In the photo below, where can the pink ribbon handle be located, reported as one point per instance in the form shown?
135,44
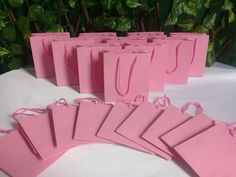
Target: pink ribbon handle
232,128
176,60
199,108
61,101
162,102
118,78
90,99
24,112
6,131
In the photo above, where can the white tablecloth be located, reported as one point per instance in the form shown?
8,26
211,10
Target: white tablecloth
216,92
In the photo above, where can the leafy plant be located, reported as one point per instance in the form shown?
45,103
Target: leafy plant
19,18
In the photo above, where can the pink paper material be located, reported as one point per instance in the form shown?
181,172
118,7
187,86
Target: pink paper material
197,63
42,54
127,41
65,60
51,34
38,130
138,122
126,75
89,120
187,130
90,66
157,64
151,33
17,158
168,120
117,115
210,153
90,34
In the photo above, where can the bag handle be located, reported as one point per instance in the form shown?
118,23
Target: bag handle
162,102
118,87
194,51
61,101
6,131
138,100
66,57
177,60
23,112
232,128
199,108
89,99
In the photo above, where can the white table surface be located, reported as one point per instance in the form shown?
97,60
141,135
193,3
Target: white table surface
216,92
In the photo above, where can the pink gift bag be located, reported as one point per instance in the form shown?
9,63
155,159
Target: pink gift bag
211,153
90,65
42,54
91,114
90,34
117,115
63,118
137,122
65,60
17,158
98,39
150,33
126,75
123,41
180,52
198,60
51,34
187,130
167,121
159,55
38,131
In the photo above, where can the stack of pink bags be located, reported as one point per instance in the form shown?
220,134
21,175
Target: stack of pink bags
119,67
202,146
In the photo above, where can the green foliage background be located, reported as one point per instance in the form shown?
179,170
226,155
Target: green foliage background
19,18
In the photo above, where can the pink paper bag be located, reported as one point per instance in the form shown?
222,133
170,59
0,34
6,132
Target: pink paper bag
211,153
17,158
65,60
159,56
90,118
150,33
198,60
51,34
90,65
126,75
38,131
138,122
167,121
90,34
123,41
42,54
117,115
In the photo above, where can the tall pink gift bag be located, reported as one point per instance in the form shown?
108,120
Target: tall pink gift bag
65,60
90,65
212,152
159,56
17,158
91,114
36,126
119,112
137,122
42,54
126,75
198,60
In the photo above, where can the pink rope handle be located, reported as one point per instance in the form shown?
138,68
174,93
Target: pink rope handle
66,57
90,99
194,51
118,87
23,112
162,102
177,60
232,128
199,108
6,131
137,101
61,101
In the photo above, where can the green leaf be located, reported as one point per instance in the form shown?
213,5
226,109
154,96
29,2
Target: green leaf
231,16
124,24
190,8
210,47
48,18
208,3
35,12
72,3
120,9
56,28
3,15
9,33
15,63
24,26
16,49
210,59
228,6
133,3
171,20
201,29
209,21
15,3
2,24
186,25
88,3
4,51
111,23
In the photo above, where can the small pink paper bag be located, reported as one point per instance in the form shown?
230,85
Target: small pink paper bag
211,153
42,54
159,56
90,34
126,75
17,158
138,122
167,121
90,118
90,65
65,60
38,131
117,115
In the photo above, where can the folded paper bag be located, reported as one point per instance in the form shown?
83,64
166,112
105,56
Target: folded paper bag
17,158
91,114
138,122
211,153
36,126
119,112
